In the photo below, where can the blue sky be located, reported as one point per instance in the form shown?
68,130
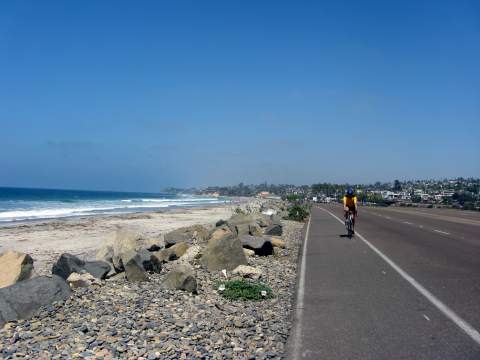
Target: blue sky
141,95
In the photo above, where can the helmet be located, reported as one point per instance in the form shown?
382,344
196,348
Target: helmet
350,192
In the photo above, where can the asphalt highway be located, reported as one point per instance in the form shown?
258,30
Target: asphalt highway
407,286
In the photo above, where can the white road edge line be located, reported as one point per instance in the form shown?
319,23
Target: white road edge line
297,341
462,324
441,232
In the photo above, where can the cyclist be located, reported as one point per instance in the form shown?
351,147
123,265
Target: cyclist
350,204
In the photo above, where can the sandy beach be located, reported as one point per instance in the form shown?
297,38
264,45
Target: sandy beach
46,240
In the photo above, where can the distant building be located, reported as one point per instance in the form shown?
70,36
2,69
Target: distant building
263,194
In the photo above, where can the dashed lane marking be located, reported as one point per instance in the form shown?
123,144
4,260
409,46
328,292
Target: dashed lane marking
441,232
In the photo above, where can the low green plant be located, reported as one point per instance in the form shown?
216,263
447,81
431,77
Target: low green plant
239,211
298,212
293,198
244,290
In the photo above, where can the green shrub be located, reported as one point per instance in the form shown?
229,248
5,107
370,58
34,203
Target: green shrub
244,290
239,211
293,198
298,213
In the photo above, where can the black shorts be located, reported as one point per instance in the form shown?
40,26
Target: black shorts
352,209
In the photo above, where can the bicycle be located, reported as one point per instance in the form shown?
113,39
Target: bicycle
349,224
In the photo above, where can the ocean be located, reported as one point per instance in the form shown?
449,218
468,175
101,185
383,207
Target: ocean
21,204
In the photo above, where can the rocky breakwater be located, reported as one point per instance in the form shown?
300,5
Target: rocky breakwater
163,298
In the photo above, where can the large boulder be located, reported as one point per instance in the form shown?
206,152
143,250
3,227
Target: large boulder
238,219
135,263
23,299
14,267
192,253
181,277
178,250
68,263
146,259
263,220
260,244
186,235
276,219
164,255
118,244
172,253
274,229
220,223
277,242
223,251
254,230
221,232
242,229
248,229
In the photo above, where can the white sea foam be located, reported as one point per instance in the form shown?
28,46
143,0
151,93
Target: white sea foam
102,207
172,200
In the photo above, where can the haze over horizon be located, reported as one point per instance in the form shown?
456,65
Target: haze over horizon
117,96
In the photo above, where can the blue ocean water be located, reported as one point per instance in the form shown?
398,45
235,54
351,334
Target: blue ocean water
20,204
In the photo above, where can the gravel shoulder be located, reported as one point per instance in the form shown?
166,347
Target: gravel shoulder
119,319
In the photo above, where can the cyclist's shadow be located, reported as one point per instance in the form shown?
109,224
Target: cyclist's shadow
345,236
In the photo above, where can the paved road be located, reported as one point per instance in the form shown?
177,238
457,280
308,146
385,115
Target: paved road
353,304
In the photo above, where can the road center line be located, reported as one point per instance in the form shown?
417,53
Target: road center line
441,232
449,313
297,341
408,223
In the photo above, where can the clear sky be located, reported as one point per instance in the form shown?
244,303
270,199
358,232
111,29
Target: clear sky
140,95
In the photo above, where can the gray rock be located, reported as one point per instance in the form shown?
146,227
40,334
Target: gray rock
181,277
164,255
134,268
223,251
154,248
98,269
186,234
261,245
23,299
144,258
220,223
276,219
275,230
68,263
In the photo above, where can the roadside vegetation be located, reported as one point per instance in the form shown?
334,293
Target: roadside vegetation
244,290
298,212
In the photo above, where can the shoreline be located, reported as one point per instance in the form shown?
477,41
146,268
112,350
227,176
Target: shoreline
45,240
232,201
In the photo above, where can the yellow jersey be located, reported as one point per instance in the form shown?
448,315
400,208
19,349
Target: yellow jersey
350,201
